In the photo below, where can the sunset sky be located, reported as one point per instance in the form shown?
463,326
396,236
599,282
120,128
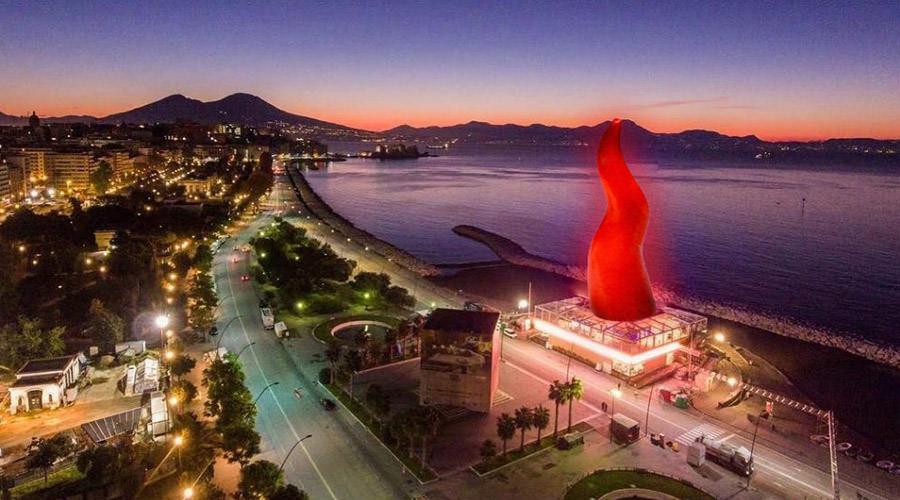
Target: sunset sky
787,70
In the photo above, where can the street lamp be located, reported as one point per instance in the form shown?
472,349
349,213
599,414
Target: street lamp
188,492
731,381
291,451
616,394
263,391
523,304
161,321
244,348
719,337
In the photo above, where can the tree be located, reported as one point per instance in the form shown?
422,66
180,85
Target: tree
289,492
27,339
574,391
523,419
488,450
260,479
48,452
333,355
399,297
506,429
240,442
184,391
182,365
557,394
105,328
200,443
99,464
101,176
540,420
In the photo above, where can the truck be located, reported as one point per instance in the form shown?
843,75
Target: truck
281,330
268,319
624,430
735,458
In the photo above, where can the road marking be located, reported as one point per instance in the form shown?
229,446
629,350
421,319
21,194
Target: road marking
277,402
709,431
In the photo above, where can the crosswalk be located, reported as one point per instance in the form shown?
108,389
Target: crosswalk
708,430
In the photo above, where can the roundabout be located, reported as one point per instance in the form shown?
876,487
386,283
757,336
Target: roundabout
633,483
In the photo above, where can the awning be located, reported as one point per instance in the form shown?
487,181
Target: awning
109,427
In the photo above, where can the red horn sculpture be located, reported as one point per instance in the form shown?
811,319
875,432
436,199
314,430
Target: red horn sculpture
617,278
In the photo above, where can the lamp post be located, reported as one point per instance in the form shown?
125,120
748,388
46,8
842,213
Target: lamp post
616,393
647,418
244,348
759,417
280,469
161,322
263,391
223,332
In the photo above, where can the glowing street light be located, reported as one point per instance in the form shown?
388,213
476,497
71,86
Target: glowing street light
719,337
179,440
523,304
300,305
173,401
731,381
188,492
161,321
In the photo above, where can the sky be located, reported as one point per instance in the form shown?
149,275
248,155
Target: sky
782,70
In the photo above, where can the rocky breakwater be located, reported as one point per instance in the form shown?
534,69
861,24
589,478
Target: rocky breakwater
512,252
318,208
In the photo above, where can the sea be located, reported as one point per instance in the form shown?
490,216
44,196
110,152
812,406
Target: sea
819,245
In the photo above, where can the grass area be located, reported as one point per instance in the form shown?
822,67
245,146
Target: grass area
360,411
602,482
34,489
322,331
530,449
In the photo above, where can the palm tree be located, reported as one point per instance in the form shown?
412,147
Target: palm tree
540,419
506,429
524,419
574,390
488,450
558,396
353,361
333,355
429,420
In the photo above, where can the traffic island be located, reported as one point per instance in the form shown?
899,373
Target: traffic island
499,461
606,482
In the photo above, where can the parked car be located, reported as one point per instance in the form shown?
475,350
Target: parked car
328,404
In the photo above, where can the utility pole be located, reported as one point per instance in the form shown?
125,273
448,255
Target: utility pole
832,438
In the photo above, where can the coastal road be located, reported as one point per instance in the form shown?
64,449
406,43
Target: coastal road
341,460
776,473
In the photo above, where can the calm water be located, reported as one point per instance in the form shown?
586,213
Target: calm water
730,234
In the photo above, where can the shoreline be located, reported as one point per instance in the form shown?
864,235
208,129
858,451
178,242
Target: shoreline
514,253
829,376
321,210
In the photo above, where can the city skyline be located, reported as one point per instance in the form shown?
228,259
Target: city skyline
802,72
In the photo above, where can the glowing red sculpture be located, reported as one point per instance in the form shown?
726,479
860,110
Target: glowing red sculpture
618,283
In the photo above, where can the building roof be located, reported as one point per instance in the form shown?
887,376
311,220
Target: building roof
33,380
45,365
457,320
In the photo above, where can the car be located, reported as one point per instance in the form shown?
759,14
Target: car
245,278
213,331
328,404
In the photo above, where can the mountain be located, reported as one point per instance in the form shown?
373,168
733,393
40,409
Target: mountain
640,142
240,108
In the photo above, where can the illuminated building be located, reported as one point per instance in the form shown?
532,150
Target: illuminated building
624,348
